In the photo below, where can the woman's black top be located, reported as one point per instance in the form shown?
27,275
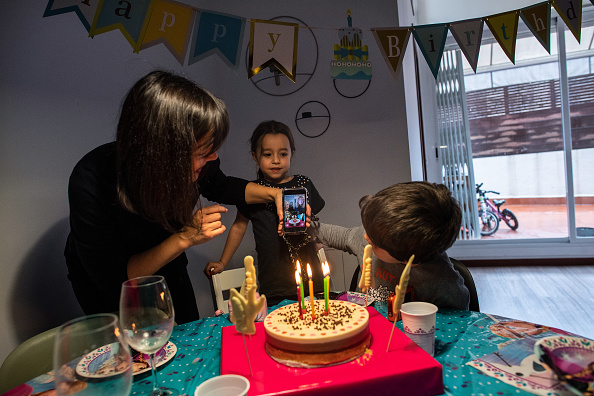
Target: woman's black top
103,236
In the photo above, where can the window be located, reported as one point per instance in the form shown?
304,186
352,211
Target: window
507,127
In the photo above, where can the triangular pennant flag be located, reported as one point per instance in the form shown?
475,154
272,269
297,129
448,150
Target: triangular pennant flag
273,43
392,43
85,10
431,40
468,35
504,27
217,33
571,13
130,17
170,23
538,20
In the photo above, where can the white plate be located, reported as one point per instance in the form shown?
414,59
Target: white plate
100,362
570,355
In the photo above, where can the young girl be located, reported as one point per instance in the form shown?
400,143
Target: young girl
272,147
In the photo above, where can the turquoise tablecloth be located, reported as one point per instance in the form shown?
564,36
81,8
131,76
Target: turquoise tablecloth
461,337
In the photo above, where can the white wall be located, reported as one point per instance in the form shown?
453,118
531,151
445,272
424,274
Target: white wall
535,175
59,98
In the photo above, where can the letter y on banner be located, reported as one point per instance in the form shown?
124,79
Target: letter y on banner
273,43
392,43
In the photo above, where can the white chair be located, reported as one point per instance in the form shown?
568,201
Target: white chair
224,281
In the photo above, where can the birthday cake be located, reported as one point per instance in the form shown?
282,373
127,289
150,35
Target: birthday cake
338,337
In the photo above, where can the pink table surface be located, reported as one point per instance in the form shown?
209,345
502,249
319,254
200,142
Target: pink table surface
405,368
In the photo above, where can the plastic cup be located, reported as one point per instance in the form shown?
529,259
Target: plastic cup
418,321
224,385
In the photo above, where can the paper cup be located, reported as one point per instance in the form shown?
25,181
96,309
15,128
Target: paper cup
224,385
418,321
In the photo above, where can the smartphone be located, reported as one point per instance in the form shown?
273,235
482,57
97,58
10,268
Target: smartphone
295,201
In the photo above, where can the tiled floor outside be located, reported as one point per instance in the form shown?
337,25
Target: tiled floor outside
543,221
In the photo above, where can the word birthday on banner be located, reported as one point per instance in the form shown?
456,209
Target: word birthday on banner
146,23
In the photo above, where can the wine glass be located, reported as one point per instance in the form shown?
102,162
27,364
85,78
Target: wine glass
147,316
92,357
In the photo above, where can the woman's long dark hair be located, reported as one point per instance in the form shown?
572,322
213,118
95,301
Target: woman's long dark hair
163,119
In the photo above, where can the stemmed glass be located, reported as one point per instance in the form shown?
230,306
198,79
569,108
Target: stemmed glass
92,357
147,316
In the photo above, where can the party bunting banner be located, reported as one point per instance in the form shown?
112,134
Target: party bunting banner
145,23
273,43
130,17
392,43
571,15
220,34
85,10
468,34
538,20
170,23
431,40
504,27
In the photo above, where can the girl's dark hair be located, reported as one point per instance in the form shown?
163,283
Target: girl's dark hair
419,218
165,117
266,128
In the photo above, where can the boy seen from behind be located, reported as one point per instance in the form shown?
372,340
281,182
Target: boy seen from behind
419,218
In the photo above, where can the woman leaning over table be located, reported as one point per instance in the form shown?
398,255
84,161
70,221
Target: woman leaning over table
135,203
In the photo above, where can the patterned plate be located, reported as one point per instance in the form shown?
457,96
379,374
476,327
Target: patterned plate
104,361
571,358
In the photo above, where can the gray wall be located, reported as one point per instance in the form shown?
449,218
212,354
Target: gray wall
60,96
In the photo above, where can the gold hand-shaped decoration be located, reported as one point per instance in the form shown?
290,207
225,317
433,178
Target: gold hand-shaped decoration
365,280
245,310
400,291
250,275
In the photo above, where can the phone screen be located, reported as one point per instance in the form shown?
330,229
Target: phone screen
295,202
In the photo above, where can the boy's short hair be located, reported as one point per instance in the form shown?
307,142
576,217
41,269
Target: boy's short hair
419,218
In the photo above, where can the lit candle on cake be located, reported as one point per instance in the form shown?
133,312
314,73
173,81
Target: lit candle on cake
302,304
326,271
311,293
298,281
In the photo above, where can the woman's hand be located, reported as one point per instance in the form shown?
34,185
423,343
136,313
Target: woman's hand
211,226
214,267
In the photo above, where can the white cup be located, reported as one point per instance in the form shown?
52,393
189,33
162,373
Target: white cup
418,321
224,385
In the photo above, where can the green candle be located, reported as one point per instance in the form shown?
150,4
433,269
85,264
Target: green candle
326,287
326,271
301,286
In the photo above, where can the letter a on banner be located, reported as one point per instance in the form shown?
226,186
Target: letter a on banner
431,40
392,43
220,34
538,20
129,16
273,43
505,30
468,35
84,9
170,23
571,13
